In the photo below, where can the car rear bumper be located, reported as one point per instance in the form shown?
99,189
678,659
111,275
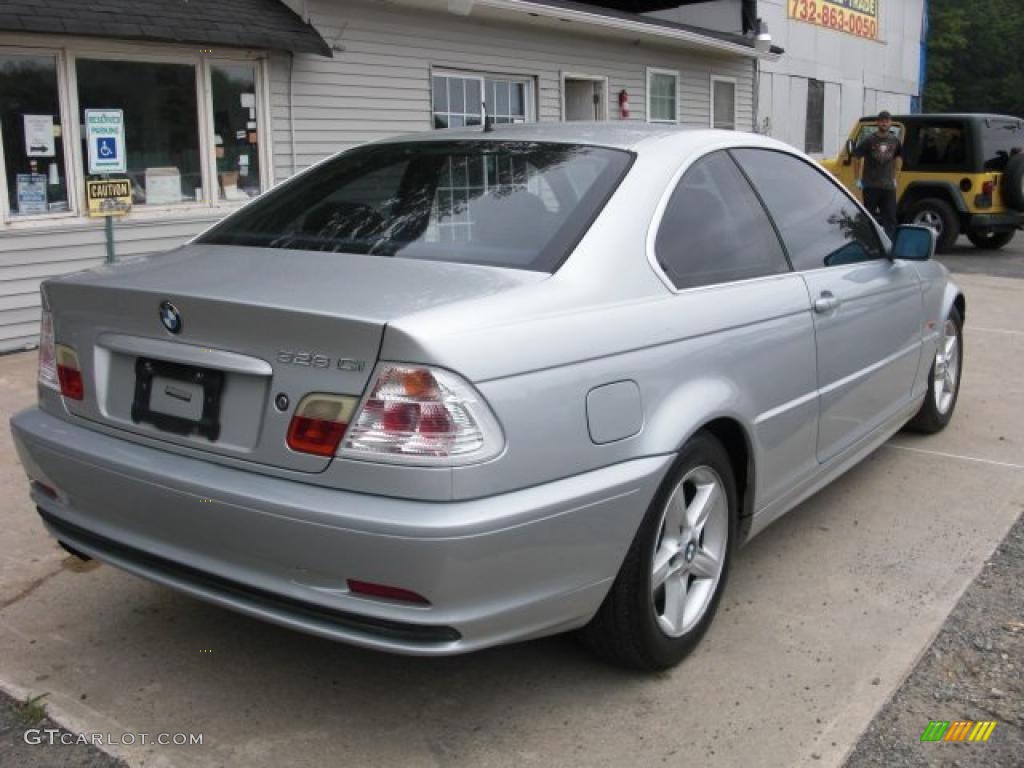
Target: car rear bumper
1010,220
495,570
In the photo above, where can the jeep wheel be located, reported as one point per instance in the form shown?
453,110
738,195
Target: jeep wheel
937,215
987,240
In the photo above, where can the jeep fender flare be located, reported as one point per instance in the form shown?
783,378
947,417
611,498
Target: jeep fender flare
917,190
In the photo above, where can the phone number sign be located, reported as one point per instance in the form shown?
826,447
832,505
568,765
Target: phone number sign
854,17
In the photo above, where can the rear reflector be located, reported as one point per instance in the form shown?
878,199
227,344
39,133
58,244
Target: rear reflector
319,423
69,373
369,589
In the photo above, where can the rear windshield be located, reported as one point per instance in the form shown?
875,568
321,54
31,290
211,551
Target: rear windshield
523,205
1000,140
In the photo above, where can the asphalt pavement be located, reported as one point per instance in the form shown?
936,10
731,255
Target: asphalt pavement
825,616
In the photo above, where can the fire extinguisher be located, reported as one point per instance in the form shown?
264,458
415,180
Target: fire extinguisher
624,104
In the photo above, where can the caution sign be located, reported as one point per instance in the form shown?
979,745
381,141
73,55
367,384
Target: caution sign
109,197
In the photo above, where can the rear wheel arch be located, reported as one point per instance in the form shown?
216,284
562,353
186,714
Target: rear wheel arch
946,192
960,302
735,439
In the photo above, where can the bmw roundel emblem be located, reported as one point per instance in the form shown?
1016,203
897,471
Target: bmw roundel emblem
170,317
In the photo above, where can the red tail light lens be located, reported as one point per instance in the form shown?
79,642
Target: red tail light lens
422,415
319,424
69,373
988,188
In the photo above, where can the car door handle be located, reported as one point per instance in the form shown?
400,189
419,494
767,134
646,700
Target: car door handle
826,303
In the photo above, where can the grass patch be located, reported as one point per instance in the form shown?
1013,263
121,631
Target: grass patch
31,711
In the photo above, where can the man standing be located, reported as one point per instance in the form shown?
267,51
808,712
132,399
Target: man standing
879,159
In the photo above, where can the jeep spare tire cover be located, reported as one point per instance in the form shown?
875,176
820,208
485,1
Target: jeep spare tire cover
1013,182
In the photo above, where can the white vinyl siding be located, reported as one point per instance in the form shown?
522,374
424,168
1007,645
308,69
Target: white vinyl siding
379,85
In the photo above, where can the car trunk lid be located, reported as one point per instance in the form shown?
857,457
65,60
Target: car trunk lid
255,324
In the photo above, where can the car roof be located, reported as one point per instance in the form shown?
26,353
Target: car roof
924,117
631,135
623,134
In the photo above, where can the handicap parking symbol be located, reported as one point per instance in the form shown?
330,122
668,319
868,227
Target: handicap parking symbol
106,147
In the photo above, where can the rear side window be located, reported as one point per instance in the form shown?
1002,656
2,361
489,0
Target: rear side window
820,224
715,230
1001,140
523,205
938,148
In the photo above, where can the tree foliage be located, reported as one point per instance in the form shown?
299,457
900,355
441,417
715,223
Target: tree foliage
975,57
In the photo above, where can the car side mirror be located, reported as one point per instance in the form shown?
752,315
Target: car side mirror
848,160
913,243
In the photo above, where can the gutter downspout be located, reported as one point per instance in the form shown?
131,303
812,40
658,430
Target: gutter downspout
291,108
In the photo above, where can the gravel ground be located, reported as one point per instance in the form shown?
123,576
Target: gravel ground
16,718
973,671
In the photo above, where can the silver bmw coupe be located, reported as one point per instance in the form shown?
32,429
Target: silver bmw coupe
465,388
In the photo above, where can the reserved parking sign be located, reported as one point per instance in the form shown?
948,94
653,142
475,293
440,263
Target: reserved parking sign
104,136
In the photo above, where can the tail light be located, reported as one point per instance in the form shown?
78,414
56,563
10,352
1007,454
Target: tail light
319,423
988,188
47,353
421,415
58,364
69,373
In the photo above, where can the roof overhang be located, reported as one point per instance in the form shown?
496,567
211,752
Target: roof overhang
249,24
607,22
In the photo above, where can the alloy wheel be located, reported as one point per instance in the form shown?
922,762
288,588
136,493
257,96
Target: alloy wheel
947,368
930,219
690,551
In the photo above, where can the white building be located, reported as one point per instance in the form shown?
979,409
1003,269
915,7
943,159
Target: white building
811,96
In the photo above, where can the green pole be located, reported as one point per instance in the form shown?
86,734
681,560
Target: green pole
109,227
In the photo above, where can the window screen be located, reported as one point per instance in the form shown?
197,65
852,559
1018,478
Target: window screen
819,223
715,230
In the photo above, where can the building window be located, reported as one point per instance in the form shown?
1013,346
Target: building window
32,131
161,125
236,135
191,128
814,137
723,103
459,100
662,96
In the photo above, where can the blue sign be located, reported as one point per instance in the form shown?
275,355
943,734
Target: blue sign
106,147
105,139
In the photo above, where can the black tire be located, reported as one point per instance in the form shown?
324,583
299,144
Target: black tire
1013,182
625,631
942,214
930,418
988,240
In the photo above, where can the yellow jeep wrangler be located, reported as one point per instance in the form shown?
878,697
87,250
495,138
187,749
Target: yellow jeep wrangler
962,174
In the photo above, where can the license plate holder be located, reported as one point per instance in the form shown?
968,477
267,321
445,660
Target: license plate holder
181,382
